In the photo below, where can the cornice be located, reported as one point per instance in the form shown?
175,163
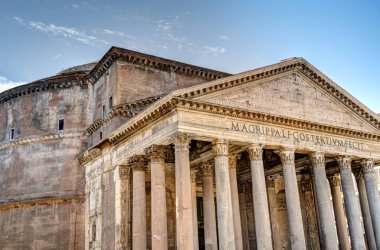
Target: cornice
169,104
89,155
51,137
298,65
51,83
159,63
41,201
122,110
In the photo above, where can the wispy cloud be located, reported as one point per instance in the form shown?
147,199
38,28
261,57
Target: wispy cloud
66,32
75,6
118,33
8,84
224,37
208,50
57,56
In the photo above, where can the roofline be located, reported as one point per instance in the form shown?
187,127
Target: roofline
116,53
112,55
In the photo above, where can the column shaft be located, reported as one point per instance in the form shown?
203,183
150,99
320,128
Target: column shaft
260,198
340,217
211,239
371,180
184,213
351,204
370,236
138,204
158,198
325,209
235,201
223,197
243,216
194,207
296,231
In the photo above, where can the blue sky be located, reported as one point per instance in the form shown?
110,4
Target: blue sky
341,38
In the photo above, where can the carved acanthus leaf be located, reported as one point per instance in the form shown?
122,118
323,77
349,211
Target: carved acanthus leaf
286,155
207,169
220,147
138,162
368,165
255,152
156,152
317,160
344,162
181,141
232,160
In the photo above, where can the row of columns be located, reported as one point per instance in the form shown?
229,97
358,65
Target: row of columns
228,211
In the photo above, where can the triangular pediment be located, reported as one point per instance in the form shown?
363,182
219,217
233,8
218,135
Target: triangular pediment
288,90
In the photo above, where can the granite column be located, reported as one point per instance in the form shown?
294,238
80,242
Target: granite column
351,203
223,196
296,231
260,198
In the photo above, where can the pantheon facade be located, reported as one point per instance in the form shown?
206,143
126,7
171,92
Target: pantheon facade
140,152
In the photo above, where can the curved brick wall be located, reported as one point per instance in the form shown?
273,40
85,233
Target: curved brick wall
42,185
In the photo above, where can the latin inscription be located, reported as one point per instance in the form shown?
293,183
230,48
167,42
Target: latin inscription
294,135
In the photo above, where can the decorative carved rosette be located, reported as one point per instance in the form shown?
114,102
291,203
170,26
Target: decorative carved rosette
207,169
156,152
232,160
344,162
220,147
286,155
193,174
181,141
255,152
137,162
367,165
317,160
334,180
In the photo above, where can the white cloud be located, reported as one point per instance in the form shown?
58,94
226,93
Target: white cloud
57,56
224,37
75,6
66,32
8,84
208,50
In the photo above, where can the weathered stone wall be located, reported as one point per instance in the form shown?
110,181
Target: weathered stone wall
137,82
48,226
41,183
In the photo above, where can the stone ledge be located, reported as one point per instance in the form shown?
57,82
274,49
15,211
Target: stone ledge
51,137
40,201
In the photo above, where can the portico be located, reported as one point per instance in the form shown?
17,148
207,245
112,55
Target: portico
219,141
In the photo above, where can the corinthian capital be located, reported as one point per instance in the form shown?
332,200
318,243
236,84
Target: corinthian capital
286,155
232,160
317,160
220,147
368,165
137,162
207,169
193,175
156,152
255,152
334,180
181,141
344,162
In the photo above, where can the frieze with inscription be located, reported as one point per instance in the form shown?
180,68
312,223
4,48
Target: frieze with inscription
259,129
